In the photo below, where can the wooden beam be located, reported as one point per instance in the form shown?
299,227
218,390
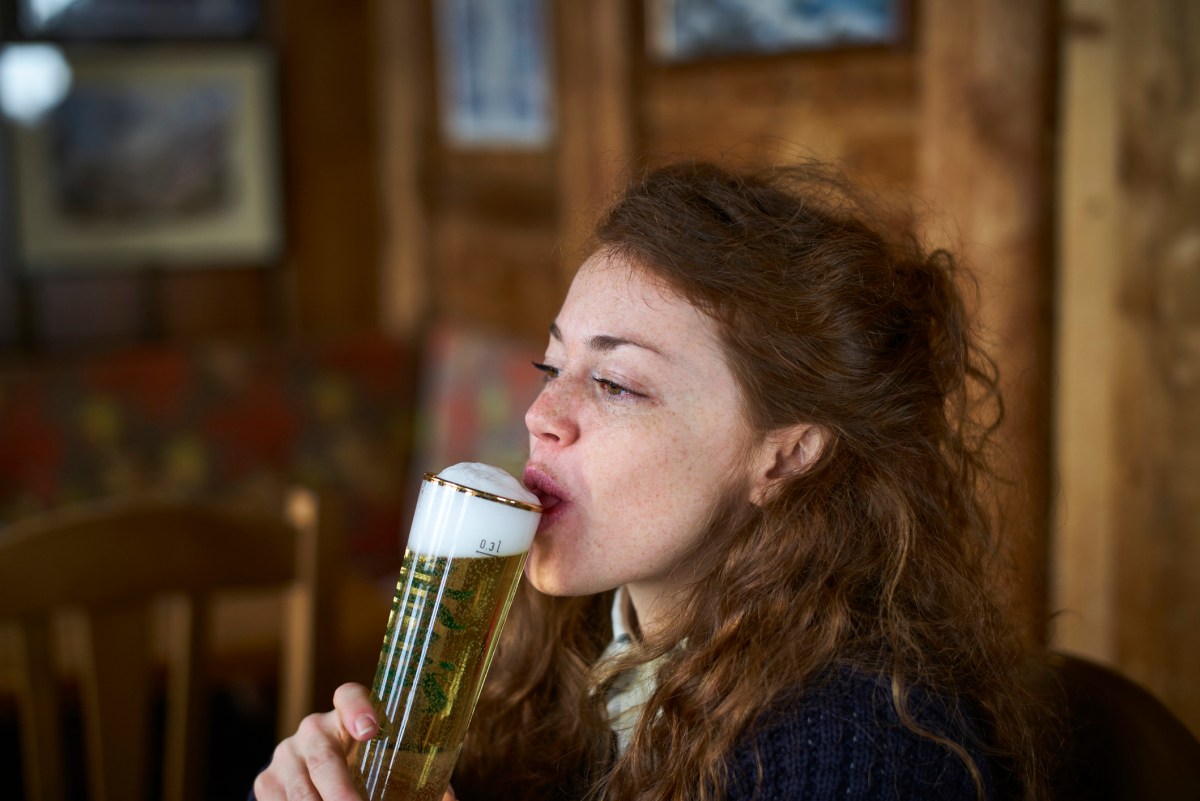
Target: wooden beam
403,34
1085,412
596,112
328,81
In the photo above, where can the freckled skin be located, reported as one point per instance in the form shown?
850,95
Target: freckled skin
642,436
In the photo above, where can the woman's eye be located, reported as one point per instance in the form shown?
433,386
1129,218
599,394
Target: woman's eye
549,373
612,388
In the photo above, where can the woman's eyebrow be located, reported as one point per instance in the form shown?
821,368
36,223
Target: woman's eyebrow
606,342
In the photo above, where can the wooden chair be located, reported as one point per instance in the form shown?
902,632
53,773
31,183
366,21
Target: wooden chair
113,562
1123,743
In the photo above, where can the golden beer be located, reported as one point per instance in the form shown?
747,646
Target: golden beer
440,639
441,635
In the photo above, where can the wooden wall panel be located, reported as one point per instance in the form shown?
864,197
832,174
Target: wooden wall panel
496,276
402,41
493,228
88,311
83,311
1157,577
1132,586
332,193
10,310
1128,413
985,144
227,303
494,232
858,108
1127,561
597,139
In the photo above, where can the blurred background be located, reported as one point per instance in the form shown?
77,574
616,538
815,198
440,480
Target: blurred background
251,244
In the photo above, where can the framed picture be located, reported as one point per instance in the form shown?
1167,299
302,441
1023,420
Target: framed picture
136,19
493,74
151,158
689,30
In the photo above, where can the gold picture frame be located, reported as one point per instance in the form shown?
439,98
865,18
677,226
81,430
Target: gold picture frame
682,31
153,158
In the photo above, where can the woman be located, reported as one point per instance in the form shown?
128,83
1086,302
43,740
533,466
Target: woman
760,445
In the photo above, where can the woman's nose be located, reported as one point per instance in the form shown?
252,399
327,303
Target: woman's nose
551,418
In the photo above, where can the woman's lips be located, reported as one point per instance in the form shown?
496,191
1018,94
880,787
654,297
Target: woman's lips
551,495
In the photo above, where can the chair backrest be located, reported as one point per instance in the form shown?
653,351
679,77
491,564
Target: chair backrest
1123,743
114,563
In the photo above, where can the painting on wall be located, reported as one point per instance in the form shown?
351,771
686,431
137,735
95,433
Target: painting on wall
493,73
690,30
151,159
137,19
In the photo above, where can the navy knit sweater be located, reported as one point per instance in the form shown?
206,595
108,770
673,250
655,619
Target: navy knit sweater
843,740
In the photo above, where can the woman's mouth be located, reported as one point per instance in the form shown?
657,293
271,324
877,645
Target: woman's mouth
551,495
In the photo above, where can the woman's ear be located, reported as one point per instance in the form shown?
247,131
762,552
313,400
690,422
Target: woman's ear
785,452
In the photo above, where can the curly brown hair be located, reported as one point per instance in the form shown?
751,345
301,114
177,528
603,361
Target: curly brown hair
879,557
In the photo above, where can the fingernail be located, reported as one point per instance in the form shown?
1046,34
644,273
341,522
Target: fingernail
364,725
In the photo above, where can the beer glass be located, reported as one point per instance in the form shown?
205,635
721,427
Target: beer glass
465,556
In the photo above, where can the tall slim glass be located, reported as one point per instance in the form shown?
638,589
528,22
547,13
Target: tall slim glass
465,556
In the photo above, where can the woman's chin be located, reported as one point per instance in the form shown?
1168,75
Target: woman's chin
548,577
535,574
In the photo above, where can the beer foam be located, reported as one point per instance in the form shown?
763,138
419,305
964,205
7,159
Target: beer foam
449,521
489,479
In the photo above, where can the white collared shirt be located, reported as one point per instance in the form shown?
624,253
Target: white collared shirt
631,689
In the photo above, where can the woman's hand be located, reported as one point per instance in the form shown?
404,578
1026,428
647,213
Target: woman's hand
311,764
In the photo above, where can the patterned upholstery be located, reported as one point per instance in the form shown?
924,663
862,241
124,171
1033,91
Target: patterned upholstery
234,422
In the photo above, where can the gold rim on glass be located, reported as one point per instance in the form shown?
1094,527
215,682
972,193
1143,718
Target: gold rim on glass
433,478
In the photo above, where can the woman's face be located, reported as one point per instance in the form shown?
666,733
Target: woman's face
637,433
